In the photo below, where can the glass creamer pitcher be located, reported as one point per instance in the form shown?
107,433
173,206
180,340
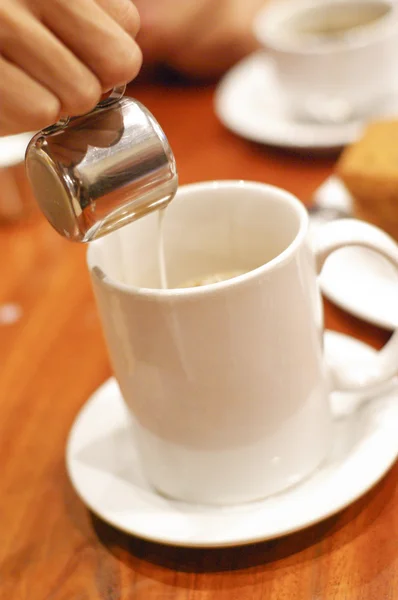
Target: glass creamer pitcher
95,173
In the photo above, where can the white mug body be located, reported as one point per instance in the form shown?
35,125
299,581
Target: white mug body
226,384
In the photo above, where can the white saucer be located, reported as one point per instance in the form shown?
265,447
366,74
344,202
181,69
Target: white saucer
248,102
12,148
355,279
104,470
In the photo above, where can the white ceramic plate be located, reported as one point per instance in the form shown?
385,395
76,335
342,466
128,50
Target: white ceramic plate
12,148
363,284
103,466
248,102
355,279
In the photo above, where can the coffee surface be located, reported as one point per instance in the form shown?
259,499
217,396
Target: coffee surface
209,279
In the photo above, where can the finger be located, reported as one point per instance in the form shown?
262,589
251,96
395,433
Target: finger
124,12
94,37
17,114
35,50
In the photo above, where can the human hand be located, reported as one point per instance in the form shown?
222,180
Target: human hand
58,56
197,37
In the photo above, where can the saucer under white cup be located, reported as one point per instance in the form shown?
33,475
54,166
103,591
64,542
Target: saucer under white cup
249,103
300,94
104,469
355,279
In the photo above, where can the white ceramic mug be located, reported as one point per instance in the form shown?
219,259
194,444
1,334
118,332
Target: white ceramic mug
332,78
227,384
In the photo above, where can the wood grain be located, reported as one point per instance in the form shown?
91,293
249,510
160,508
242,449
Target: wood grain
53,356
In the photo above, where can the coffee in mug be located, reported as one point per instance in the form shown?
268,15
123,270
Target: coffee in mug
209,279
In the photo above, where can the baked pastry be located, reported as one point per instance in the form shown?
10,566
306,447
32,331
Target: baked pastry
369,170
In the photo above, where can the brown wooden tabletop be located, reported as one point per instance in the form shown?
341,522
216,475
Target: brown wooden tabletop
52,357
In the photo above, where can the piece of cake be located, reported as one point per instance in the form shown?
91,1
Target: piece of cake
369,170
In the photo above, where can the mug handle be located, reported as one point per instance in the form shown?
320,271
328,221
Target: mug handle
369,376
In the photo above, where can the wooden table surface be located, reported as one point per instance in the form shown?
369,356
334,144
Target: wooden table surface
52,357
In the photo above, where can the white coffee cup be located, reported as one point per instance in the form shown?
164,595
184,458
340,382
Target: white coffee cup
226,384
328,69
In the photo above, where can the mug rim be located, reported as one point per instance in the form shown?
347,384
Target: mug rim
266,19
213,288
